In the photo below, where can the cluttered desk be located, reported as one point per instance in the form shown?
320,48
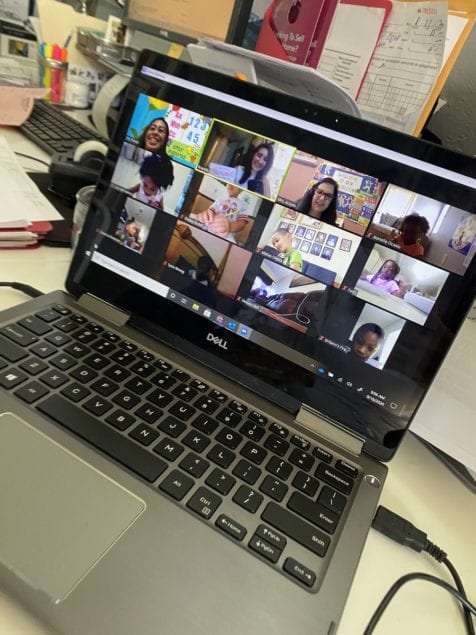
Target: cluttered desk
220,465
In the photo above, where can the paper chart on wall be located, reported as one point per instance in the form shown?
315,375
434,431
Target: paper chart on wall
345,58
406,63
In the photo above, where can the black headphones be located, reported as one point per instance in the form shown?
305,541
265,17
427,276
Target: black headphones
67,177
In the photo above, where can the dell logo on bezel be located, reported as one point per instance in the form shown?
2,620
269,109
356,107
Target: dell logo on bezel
218,341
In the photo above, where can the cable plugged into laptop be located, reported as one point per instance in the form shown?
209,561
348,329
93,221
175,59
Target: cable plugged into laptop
402,531
24,288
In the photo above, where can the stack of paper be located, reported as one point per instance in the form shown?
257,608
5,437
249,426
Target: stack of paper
25,214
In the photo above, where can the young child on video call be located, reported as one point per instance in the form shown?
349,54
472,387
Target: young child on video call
226,215
384,279
157,174
282,242
366,343
411,231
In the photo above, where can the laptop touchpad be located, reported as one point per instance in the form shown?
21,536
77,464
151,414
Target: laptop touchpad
59,514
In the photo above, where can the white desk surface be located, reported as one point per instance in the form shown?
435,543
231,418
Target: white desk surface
418,487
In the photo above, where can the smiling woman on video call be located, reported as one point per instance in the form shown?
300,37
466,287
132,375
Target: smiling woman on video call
320,201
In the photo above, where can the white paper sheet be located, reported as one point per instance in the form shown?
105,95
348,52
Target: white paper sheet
21,199
345,57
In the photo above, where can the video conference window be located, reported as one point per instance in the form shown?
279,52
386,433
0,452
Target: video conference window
151,178
400,284
370,339
330,192
220,208
202,266
252,162
133,225
157,126
317,250
425,228
286,296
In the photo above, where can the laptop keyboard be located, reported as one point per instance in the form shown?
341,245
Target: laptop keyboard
249,476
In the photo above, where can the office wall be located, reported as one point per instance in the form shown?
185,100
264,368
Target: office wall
455,124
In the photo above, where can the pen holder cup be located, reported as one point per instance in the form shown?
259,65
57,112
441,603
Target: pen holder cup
52,75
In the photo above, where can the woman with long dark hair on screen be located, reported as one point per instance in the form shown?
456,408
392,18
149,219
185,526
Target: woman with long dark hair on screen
251,174
155,136
320,201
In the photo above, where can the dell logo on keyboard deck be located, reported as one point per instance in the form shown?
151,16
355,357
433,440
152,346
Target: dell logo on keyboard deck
218,341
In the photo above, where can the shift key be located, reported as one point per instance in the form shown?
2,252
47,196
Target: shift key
297,529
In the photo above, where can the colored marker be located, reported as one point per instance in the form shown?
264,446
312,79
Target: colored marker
56,75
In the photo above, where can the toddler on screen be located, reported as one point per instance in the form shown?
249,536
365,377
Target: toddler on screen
225,216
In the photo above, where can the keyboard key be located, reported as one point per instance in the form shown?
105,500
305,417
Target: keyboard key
248,498
196,441
347,468
332,500
276,444
194,465
126,399
257,417
181,375
33,366
204,502
271,536
84,374
10,351
266,550
168,449
96,361
66,325
299,530
279,468
229,418
97,406
182,411
247,471
138,386
58,339
117,373
18,335
120,419
205,424
252,430
205,404
35,325
334,478
279,430
273,488
163,380
104,387
238,407
160,398
221,456
144,434
220,481
253,452
150,414
199,385
77,350
62,361
300,442
184,392
322,455
176,484
48,315
314,512
230,438
75,392
42,350
31,392
137,459
305,483
219,396
54,378
301,459
231,527
172,426
299,571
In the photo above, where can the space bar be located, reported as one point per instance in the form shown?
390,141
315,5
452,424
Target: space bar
98,434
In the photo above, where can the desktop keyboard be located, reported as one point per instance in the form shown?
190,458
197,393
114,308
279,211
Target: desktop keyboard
55,131
248,477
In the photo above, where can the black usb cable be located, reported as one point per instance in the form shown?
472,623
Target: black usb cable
402,531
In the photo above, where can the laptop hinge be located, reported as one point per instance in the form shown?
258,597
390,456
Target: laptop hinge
330,430
104,310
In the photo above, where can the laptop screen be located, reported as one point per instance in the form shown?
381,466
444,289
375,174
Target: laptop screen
310,256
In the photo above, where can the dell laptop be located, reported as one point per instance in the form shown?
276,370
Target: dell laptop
193,438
